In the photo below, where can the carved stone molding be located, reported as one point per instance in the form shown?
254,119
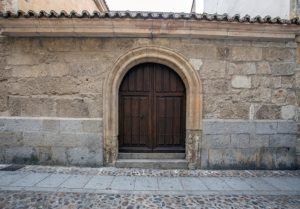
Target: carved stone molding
159,55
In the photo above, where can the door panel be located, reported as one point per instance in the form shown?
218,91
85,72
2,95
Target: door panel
135,123
152,110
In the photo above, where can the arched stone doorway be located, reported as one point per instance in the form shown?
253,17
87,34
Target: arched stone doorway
188,75
152,110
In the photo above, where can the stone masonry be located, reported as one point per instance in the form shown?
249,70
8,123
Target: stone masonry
51,141
252,86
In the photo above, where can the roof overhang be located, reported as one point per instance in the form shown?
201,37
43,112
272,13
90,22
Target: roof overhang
145,28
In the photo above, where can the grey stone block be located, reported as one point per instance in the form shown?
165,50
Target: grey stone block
169,184
70,126
20,155
233,158
30,180
22,124
204,158
9,138
257,141
99,182
215,127
51,125
82,156
216,141
123,183
54,180
94,126
146,183
240,140
76,181
276,158
59,156
72,140
190,183
283,140
287,127
241,127
283,68
265,127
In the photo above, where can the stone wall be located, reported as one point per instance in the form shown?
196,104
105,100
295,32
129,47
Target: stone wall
51,141
256,144
242,80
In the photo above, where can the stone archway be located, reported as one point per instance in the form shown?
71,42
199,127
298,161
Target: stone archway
193,98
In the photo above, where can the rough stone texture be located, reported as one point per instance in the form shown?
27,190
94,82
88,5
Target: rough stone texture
64,77
242,82
246,144
54,141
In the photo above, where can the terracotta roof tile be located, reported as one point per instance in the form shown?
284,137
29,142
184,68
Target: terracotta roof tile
151,15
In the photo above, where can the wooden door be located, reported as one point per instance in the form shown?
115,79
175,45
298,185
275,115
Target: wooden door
152,110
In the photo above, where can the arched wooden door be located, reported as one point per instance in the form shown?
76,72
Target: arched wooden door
152,110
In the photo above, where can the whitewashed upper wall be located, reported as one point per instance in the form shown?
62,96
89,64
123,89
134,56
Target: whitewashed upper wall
274,8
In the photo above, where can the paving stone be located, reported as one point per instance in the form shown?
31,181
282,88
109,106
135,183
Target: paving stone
280,183
99,182
76,181
237,184
192,183
259,184
146,183
172,184
11,178
30,180
215,183
123,183
53,181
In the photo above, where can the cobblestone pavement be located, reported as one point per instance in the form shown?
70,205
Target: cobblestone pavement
111,171
23,199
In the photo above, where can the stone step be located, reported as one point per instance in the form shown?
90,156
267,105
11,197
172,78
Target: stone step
152,163
151,156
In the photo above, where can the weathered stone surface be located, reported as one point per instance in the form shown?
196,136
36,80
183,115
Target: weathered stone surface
289,112
196,63
246,54
84,156
282,68
259,141
242,68
216,141
279,54
279,96
242,82
277,158
263,68
72,108
265,127
200,51
223,52
213,69
22,59
218,86
240,140
232,158
268,112
283,140
287,127
10,138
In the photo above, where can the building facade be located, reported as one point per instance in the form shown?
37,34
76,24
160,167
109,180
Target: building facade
87,89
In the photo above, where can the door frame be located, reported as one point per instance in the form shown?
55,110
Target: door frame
193,85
